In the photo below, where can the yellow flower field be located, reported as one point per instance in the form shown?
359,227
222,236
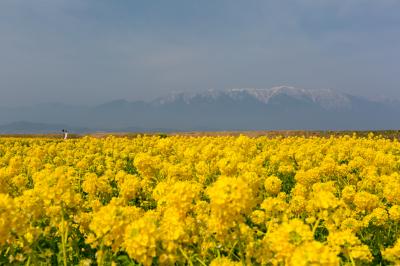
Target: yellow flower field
200,201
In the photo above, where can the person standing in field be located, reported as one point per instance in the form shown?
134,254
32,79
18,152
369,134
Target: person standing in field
65,132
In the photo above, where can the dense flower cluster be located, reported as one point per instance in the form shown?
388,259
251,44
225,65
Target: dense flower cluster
200,201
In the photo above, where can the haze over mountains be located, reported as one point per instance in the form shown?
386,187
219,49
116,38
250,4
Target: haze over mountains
277,108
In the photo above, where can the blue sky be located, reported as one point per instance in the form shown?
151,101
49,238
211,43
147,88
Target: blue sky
91,51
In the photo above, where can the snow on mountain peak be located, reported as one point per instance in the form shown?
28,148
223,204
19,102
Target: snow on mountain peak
326,98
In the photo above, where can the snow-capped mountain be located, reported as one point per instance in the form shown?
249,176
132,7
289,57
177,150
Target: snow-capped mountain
327,98
282,107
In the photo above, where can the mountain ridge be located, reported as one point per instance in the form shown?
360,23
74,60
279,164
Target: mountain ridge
328,98
276,108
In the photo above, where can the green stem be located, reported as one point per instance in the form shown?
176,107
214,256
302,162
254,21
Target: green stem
64,236
201,262
101,259
352,260
232,249
315,226
241,253
186,256
29,261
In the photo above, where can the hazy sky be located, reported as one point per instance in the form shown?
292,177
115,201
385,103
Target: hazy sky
91,51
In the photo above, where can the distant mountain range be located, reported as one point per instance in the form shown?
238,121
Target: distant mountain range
23,127
277,108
